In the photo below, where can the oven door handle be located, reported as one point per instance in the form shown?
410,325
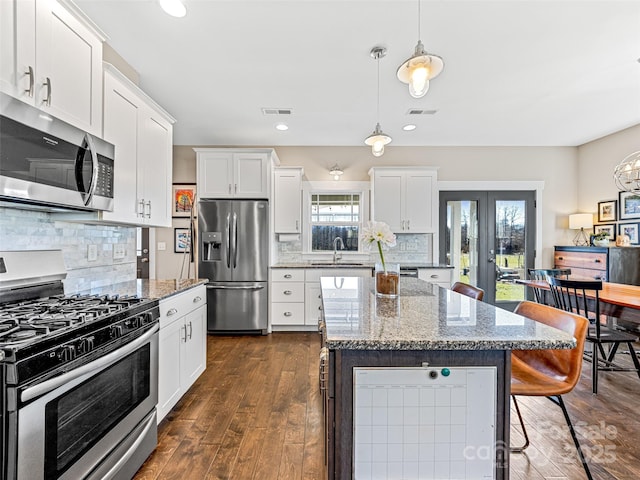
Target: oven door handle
102,362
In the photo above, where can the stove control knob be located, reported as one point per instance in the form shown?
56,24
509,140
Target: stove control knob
116,331
85,345
67,353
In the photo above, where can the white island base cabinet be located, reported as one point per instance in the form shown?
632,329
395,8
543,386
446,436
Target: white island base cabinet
183,345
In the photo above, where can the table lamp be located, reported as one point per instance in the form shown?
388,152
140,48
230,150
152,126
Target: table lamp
581,221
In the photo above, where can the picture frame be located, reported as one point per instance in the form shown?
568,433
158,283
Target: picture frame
607,211
182,199
630,229
181,240
610,228
629,205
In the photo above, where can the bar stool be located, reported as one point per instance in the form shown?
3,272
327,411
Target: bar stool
468,290
549,373
571,295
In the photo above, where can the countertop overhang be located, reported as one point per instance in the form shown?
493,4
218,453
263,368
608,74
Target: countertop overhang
346,264
425,317
144,288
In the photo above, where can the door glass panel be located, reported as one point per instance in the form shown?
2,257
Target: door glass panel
509,248
461,240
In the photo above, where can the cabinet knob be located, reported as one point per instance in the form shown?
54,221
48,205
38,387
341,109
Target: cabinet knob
197,299
288,275
287,314
287,292
597,260
560,258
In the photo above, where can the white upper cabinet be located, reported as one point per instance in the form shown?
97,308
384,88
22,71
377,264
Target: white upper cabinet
406,198
51,57
287,197
229,173
143,137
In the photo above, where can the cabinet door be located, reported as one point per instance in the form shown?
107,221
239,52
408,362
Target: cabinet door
287,200
250,175
17,47
155,168
418,209
121,116
313,303
387,204
171,339
193,354
69,58
215,175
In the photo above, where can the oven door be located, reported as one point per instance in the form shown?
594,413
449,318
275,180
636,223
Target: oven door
99,417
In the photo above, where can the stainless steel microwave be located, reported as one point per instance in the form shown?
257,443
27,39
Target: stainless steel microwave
45,161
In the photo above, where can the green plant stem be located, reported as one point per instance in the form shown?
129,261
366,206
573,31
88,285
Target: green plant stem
384,267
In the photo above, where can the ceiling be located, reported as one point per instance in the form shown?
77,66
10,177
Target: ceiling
517,72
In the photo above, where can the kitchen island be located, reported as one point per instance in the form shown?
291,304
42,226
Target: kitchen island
418,386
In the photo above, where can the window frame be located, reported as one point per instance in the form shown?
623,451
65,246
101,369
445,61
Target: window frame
310,188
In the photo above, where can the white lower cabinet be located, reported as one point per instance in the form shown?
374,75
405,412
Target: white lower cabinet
296,301
183,345
439,276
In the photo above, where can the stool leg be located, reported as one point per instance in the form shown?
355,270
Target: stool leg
524,430
634,357
594,367
557,399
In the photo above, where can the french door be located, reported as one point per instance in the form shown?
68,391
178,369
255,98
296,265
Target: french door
489,238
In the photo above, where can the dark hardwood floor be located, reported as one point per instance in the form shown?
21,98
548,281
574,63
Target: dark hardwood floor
256,414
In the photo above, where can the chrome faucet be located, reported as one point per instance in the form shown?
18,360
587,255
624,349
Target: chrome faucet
336,241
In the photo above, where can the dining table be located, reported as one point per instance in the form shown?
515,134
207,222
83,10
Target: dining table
617,300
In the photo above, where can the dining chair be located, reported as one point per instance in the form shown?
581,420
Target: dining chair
583,298
468,290
542,274
549,373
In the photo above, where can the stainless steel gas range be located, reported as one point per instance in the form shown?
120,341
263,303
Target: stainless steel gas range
79,375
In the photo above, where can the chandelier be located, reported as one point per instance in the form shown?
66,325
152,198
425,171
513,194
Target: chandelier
627,173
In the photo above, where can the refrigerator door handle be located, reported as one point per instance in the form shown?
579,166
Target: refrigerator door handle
229,241
224,287
235,240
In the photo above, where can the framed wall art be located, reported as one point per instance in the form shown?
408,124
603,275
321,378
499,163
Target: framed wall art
629,205
183,199
607,211
630,229
181,240
608,228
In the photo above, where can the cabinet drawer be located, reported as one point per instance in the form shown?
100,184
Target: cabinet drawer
441,276
287,275
286,313
314,274
287,292
593,261
588,274
178,305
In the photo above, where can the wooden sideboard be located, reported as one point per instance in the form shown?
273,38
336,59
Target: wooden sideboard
609,264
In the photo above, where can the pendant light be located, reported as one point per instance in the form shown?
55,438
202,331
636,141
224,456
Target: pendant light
420,68
627,174
378,139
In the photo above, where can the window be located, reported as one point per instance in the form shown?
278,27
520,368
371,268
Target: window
335,215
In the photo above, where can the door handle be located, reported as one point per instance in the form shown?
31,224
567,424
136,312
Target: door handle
224,287
235,240
29,91
228,240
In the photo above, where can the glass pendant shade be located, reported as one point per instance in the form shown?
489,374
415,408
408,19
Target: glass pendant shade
175,8
419,69
377,140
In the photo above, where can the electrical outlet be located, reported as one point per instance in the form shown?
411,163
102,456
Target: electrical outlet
92,253
118,251
162,246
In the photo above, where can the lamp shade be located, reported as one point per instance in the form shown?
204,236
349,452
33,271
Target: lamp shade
580,220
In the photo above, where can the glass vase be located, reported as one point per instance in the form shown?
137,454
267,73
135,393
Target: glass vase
387,283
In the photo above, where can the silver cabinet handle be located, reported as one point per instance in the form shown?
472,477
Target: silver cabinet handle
29,72
172,311
190,330
141,208
287,292
229,188
47,83
435,276
408,224
149,205
197,299
184,327
297,227
224,287
288,275
287,314
236,187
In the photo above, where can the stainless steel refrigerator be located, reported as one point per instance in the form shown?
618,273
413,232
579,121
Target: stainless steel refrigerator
233,255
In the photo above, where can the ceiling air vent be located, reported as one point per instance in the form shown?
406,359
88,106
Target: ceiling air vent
417,111
277,111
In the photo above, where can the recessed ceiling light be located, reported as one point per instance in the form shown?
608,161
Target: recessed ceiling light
408,128
282,127
175,8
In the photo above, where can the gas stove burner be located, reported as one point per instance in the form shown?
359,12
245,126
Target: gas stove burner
22,335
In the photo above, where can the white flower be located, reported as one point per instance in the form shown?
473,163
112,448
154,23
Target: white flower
381,234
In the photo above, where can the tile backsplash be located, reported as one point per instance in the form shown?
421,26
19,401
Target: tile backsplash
35,230
409,248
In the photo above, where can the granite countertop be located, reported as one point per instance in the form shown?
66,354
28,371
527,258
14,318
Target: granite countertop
424,317
144,288
347,264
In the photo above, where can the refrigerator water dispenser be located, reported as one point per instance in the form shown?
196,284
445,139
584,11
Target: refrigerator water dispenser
211,246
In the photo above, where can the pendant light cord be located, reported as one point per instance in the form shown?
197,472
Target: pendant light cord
419,17
378,103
